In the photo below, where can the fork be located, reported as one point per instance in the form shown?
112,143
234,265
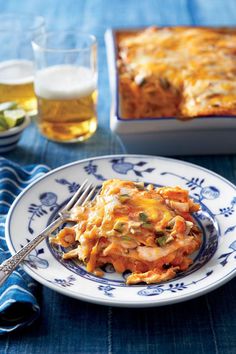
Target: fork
83,195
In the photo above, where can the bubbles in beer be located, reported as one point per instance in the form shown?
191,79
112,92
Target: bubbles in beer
67,99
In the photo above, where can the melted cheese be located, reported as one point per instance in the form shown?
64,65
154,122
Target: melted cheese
155,208
123,225
177,71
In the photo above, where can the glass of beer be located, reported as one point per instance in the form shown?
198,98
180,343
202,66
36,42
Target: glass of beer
65,85
16,60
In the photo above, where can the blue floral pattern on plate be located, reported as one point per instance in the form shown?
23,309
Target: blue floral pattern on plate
214,263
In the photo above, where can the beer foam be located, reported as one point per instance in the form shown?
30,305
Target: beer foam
64,82
16,72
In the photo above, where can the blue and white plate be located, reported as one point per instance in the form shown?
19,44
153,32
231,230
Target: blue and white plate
214,264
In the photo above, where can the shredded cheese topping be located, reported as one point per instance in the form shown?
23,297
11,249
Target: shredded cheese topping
148,231
177,72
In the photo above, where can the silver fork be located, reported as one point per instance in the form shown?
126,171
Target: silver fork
83,195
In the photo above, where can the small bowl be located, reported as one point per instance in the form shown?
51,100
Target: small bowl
10,137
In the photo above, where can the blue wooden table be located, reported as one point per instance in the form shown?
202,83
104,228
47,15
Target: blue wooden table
203,325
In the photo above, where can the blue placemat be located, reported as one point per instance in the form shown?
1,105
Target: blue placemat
18,304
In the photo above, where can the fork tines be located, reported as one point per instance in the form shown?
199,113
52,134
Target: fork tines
84,194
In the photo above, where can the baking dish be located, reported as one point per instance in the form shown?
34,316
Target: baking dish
169,135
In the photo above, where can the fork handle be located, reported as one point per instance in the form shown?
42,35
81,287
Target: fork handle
8,266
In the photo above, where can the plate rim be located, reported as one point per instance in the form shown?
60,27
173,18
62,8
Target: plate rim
107,301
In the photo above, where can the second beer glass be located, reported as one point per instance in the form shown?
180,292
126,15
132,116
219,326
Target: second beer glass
66,85
16,59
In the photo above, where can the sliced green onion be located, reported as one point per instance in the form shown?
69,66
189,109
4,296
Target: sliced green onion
126,238
143,217
123,198
147,225
139,185
119,227
169,239
161,241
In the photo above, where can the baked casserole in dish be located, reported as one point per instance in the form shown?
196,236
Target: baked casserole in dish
174,88
177,72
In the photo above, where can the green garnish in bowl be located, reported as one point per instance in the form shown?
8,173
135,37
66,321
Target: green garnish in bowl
10,116
3,124
7,105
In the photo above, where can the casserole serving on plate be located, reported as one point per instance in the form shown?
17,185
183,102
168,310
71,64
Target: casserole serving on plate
146,231
174,89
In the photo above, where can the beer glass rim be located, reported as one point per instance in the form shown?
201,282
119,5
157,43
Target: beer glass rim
39,47
16,16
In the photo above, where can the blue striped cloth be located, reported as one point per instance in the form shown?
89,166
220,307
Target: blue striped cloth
18,304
